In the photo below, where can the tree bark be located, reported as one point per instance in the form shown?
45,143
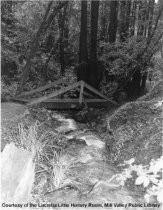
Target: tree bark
94,28
150,16
133,18
122,17
125,10
142,19
128,18
103,21
83,51
113,21
61,23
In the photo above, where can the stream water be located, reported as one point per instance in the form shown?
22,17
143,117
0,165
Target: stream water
92,184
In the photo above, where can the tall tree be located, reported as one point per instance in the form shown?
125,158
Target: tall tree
95,67
124,23
83,51
142,18
104,21
147,33
62,36
94,28
150,15
82,68
113,21
133,18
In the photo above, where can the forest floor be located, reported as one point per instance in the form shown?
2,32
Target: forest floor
81,151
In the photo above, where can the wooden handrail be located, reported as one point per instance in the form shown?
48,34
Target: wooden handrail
56,93
31,92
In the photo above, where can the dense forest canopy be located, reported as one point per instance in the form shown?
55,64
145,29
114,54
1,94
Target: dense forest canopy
109,44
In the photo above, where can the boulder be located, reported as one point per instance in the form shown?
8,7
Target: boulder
17,174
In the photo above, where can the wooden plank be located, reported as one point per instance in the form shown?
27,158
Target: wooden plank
64,100
81,93
52,84
75,105
98,93
84,92
67,100
95,91
19,99
56,93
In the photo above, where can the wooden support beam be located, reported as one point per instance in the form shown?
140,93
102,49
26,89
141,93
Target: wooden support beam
56,93
81,93
84,92
52,84
98,93
65,100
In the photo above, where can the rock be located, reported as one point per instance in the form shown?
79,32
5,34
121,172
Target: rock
93,141
17,174
67,124
85,158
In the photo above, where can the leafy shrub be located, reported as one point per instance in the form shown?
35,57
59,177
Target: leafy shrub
157,72
8,90
150,176
122,58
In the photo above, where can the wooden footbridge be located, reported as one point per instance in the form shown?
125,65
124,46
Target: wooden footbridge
87,96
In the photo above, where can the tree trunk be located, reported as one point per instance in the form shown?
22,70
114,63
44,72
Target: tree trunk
61,23
133,18
94,28
95,67
82,68
103,21
83,51
122,18
142,19
113,21
128,14
150,11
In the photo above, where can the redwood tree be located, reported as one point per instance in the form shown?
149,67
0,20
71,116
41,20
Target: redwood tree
83,51
62,36
113,21
94,28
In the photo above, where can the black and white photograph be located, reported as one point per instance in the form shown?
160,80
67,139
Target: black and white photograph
81,104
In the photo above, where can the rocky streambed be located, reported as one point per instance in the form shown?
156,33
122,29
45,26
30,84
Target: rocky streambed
80,175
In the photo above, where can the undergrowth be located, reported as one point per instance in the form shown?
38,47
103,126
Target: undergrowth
149,176
8,90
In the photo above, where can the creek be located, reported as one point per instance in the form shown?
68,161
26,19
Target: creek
89,181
